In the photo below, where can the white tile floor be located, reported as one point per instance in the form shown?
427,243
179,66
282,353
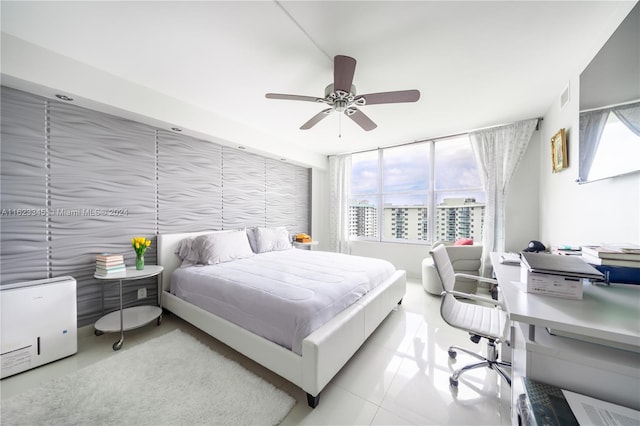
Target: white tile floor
399,377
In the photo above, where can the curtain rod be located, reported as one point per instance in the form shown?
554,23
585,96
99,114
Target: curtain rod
611,106
438,137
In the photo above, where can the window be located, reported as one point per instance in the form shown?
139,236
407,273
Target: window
422,192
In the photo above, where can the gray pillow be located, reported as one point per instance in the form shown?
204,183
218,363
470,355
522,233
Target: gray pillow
251,235
186,254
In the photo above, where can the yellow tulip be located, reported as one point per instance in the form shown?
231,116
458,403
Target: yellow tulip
137,245
133,241
148,243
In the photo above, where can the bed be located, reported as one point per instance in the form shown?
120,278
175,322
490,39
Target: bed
310,363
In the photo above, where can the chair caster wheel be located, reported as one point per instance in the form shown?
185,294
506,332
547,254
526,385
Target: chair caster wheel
452,354
117,345
159,320
98,332
453,382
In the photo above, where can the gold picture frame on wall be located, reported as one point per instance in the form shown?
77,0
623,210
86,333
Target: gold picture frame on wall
559,151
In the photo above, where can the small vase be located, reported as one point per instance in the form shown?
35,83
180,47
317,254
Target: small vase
139,261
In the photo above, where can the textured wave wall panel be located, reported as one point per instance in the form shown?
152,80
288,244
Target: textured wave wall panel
23,223
280,194
243,189
102,179
189,184
103,184
302,201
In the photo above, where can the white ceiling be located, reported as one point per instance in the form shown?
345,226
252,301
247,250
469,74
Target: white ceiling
476,63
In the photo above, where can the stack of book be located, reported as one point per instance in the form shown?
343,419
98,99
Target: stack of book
619,264
561,276
545,404
109,264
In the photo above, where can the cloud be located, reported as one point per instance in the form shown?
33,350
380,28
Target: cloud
407,169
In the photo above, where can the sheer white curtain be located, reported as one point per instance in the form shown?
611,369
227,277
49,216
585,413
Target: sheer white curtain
592,124
630,116
591,128
339,189
498,152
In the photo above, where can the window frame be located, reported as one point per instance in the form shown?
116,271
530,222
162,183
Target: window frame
430,194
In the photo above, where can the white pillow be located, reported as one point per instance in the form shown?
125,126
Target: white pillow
272,239
222,247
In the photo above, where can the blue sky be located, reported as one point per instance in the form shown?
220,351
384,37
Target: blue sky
407,168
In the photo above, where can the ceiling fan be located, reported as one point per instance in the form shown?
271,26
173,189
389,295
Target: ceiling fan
341,96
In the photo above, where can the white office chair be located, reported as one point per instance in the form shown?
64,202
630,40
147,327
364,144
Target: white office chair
480,321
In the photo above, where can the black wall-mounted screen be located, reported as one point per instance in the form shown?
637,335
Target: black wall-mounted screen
610,106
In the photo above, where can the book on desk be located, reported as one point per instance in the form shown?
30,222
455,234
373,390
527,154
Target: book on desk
620,274
618,264
624,252
552,275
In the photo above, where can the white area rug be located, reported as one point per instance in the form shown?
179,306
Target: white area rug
170,380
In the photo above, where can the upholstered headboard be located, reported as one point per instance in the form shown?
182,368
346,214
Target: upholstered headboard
167,257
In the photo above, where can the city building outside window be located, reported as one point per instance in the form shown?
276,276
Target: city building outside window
421,193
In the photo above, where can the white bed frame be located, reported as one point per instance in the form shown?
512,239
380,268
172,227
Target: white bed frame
324,352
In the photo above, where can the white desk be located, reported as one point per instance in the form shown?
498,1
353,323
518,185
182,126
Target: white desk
609,315
592,361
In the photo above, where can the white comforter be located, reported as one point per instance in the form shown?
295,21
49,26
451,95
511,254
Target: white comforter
281,295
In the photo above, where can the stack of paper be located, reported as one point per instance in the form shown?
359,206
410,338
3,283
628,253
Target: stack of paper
510,258
554,275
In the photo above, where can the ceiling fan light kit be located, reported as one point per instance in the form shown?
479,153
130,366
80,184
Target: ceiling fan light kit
341,96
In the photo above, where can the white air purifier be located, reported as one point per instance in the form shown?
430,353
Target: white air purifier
38,322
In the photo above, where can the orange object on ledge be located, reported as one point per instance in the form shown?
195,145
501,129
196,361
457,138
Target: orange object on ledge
303,238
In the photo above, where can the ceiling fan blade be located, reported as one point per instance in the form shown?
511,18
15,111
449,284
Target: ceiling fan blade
360,118
390,97
292,97
343,69
316,119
